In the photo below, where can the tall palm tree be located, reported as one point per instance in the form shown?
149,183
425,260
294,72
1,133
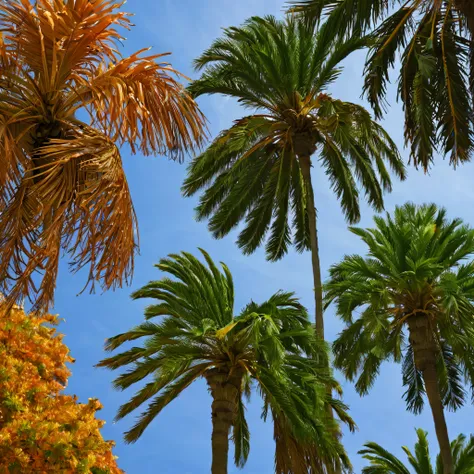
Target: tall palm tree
62,185
410,299
384,462
259,170
435,39
271,346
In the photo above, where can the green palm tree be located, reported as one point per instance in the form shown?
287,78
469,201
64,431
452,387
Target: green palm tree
259,170
410,299
435,40
271,347
384,462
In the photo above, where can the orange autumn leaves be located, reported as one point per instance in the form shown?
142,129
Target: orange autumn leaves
41,429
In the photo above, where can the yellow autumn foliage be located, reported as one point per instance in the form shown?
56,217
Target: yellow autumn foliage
42,430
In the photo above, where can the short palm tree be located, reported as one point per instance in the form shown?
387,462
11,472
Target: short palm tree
436,83
271,346
410,299
62,185
259,170
384,462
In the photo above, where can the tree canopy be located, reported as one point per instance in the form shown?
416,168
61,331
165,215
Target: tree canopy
434,40
270,346
41,428
62,185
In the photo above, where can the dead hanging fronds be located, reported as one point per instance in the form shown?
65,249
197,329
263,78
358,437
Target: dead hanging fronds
62,185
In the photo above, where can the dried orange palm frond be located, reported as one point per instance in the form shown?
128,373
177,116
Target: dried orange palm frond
142,105
62,185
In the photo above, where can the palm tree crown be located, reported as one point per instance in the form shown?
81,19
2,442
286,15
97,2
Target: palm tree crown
436,81
384,462
271,346
62,185
251,171
416,281
259,170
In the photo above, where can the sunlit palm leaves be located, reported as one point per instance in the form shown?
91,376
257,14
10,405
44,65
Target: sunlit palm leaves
384,462
62,185
251,171
272,345
436,82
410,300
417,261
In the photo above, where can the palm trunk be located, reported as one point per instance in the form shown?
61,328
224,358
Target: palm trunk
425,352
225,392
305,163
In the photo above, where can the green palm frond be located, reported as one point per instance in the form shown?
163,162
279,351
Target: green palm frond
384,462
435,85
271,346
420,461
381,461
364,13
251,173
417,265
241,437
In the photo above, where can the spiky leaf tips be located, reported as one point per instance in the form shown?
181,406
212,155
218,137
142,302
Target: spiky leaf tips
62,185
436,81
41,428
382,461
258,172
271,347
410,300
252,171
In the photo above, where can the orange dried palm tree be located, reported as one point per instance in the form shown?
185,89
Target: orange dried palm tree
62,185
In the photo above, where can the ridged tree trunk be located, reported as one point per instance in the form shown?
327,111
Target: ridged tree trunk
225,391
425,352
305,163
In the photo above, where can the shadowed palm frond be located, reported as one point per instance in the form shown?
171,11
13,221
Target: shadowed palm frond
435,83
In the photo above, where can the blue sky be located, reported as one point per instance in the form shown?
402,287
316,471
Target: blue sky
179,441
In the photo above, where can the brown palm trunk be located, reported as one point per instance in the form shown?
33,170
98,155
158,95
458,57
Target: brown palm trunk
225,392
305,163
425,351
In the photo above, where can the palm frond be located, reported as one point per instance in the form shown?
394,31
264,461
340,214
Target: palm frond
381,460
251,172
140,103
62,184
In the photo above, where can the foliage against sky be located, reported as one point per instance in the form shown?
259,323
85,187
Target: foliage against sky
42,430
429,43
62,183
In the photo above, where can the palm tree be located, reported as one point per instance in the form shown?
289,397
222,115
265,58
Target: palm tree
62,185
435,39
384,462
271,346
411,300
259,170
